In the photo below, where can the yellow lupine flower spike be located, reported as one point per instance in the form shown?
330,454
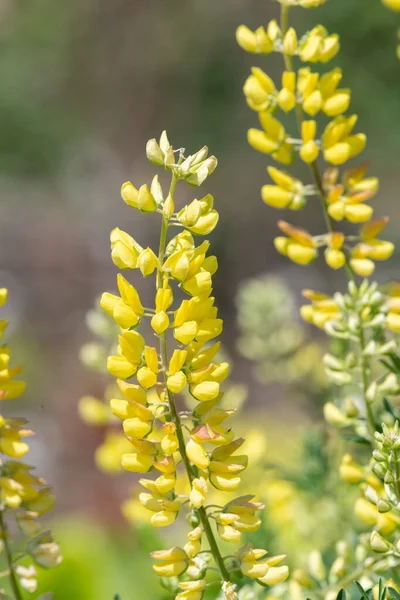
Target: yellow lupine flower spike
151,423
24,496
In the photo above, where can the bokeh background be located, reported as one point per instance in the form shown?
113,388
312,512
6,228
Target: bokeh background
83,85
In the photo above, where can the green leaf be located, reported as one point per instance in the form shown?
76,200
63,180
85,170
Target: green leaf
395,360
390,367
394,593
353,437
388,406
341,595
381,591
364,594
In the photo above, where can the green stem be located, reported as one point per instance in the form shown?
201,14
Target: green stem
351,577
11,575
365,383
174,413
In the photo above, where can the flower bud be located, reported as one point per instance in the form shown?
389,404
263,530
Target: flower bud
168,207
47,554
316,566
246,39
378,543
290,42
154,153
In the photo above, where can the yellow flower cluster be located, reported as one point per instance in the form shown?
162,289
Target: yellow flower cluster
23,495
317,46
308,94
162,438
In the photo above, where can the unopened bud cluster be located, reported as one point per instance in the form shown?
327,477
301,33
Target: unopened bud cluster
386,465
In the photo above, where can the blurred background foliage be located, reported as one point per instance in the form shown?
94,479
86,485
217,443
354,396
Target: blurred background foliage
84,84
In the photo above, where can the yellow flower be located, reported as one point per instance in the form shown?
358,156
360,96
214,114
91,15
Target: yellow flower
386,523
272,140
126,310
260,91
147,262
339,146
334,416
322,93
170,563
193,547
350,471
254,41
197,455
93,411
322,309
140,461
253,562
299,246
124,249
318,46
370,248
192,590
3,296
275,575
46,552
198,493
309,151
393,302
226,466
169,443
287,95
108,455
199,217
334,255
226,528
290,42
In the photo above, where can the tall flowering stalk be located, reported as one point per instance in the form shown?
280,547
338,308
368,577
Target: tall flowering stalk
364,318
24,497
163,438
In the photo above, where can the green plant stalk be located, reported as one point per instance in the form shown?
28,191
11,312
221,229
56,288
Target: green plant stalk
11,574
174,413
365,384
351,577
